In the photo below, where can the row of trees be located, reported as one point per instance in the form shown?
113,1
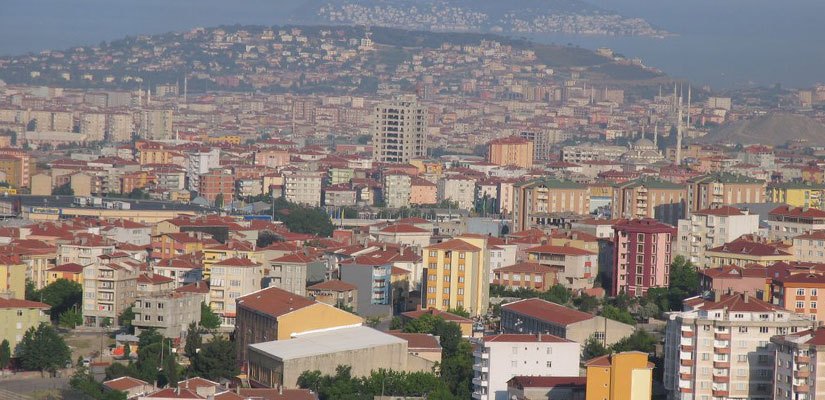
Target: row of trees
64,297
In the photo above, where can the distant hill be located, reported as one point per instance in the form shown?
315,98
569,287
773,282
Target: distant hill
773,129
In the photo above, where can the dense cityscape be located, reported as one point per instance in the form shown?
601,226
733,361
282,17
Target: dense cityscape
355,212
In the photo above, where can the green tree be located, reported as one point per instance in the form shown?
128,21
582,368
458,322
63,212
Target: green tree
684,282
460,311
423,324
127,351
219,200
593,348
126,318
71,319
62,295
586,303
396,323
209,319
171,371
42,349
63,190
83,382
618,314
303,219
659,296
32,293
638,341
5,354
215,360
117,370
138,193
193,341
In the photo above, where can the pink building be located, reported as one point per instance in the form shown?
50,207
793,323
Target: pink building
422,191
748,279
642,255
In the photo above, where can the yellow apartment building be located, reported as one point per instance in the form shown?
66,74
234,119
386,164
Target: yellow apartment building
457,275
620,376
18,316
803,194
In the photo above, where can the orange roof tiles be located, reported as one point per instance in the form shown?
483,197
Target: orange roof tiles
547,311
274,301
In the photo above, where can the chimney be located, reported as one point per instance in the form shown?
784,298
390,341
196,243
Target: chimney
539,336
747,297
717,296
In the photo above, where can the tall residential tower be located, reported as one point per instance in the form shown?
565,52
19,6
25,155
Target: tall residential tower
399,131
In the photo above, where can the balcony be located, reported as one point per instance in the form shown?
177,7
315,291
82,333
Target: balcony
801,388
686,376
686,348
720,393
802,374
688,334
721,350
480,382
477,395
722,336
481,367
685,390
721,364
802,359
481,354
686,363
721,379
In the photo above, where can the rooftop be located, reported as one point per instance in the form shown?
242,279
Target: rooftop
326,342
547,311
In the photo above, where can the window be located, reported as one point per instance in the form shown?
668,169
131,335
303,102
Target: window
549,364
814,292
446,290
461,267
800,292
742,358
160,318
460,279
460,291
813,305
515,350
763,329
433,253
160,305
461,255
514,363
640,237
549,350
446,278
800,304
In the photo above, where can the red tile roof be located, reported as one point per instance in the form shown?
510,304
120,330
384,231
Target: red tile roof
453,244
295,258
737,302
807,212
546,311
153,279
174,393
274,301
278,394
19,303
197,382
124,383
334,285
419,341
528,267
748,247
403,228
237,262
736,272
70,267
566,250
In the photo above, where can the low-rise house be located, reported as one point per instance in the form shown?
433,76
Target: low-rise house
19,316
70,272
526,275
577,268
335,293
547,387
750,278
133,387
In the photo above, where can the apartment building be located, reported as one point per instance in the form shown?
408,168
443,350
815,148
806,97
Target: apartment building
198,162
457,275
399,131
303,187
372,275
119,127
513,150
710,228
528,275
218,183
620,376
809,247
748,250
292,272
19,316
796,289
229,280
576,268
649,198
93,125
335,293
751,278
797,371
721,347
590,152
397,189
459,189
796,194
108,289
170,313
499,358
534,201
642,256
786,222
156,124
718,189
275,314
12,277
540,316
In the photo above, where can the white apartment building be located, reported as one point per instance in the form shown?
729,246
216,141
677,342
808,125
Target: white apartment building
230,279
399,132
303,187
199,162
711,228
501,255
458,189
500,357
120,127
397,190
721,348
156,124
798,373
590,152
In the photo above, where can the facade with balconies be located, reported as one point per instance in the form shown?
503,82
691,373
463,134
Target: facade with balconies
108,289
720,347
798,374
711,228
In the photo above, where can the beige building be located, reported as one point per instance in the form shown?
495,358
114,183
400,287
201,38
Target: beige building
18,316
512,150
457,275
156,124
459,189
798,374
716,190
93,125
399,131
649,198
397,190
534,201
108,289
120,127
810,247
721,347
170,312
303,187
229,280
